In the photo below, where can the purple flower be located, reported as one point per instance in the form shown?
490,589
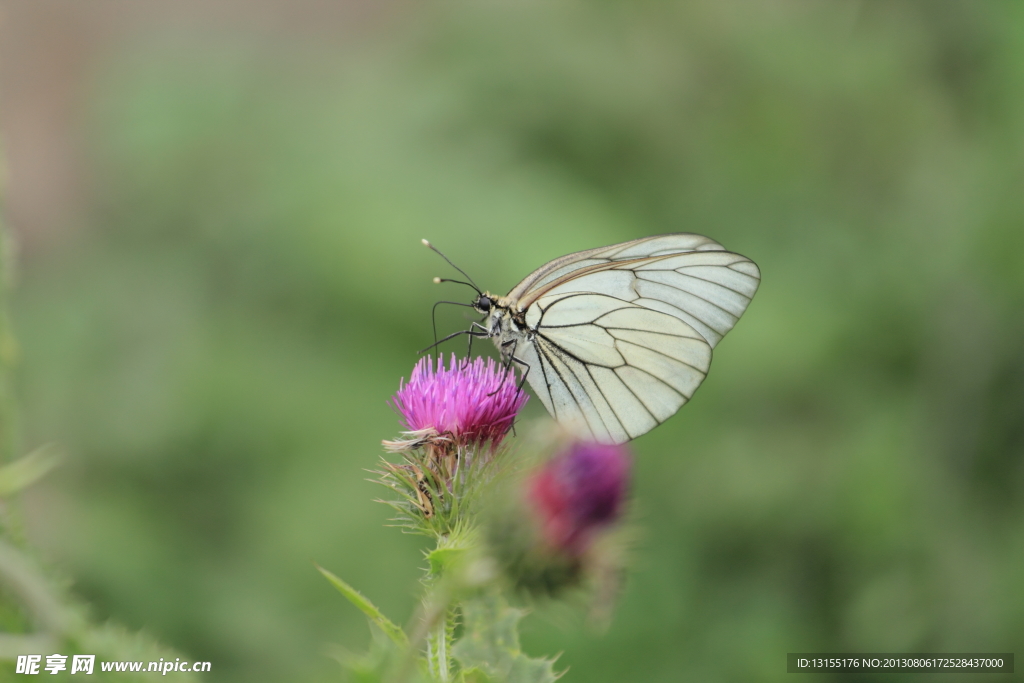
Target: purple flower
578,492
466,403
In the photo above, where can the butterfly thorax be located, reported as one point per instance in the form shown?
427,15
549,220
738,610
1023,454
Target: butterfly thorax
505,323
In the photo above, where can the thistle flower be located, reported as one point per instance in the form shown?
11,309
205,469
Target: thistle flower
464,404
578,492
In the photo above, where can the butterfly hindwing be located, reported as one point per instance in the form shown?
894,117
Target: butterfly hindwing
618,367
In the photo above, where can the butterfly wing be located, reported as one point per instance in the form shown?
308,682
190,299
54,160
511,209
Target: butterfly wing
611,367
624,333
656,245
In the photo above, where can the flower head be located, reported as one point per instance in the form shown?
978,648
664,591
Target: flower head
466,403
579,491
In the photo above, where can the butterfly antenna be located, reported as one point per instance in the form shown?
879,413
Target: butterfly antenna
433,317
437,279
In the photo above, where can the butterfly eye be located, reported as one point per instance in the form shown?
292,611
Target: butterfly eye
482,304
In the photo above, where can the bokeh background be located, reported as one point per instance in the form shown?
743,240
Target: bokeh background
218,208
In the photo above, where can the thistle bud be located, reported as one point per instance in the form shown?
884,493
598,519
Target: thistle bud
578,492
544,538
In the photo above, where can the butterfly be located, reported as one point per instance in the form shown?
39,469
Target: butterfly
614,340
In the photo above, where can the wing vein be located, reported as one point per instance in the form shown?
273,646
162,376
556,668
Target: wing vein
648,348
562,349
664,334
610,405
583,388
638,399
564,384
696,296
710,282
661,381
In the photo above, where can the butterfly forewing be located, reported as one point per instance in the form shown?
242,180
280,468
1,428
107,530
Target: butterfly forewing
622,335
707,289
641,248
659,245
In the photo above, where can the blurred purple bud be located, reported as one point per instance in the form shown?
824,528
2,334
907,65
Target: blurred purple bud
579,491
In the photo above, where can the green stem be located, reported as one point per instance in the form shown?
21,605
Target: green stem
439,638
437,651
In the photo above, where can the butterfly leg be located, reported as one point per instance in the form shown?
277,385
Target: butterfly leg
433,319
526,372
512,358
475,330
471,333
519,389
509,355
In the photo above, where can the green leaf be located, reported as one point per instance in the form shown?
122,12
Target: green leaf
392,630
490,645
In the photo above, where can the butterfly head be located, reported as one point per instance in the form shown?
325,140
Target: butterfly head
483,303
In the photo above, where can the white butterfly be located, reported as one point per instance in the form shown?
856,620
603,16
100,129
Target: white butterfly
615,340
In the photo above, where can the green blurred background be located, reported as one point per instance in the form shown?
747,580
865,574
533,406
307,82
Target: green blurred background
212,323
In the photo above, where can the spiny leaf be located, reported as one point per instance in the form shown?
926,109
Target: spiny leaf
490,644
393,631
